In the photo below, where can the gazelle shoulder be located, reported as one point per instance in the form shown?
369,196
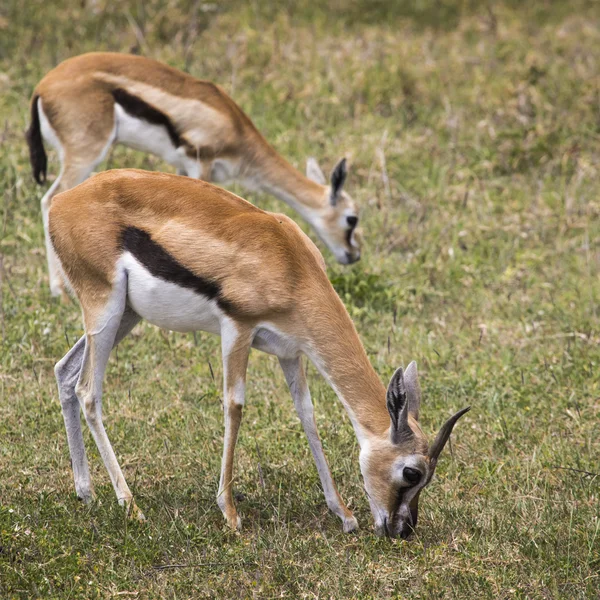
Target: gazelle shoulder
303,240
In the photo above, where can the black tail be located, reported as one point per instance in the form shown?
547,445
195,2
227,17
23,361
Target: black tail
37,154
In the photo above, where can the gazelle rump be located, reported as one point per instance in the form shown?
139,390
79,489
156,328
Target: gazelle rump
91,102
186,255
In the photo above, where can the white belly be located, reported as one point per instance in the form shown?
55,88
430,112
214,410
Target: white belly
168,305
142,135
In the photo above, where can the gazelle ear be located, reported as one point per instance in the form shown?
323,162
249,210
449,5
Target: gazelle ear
313,171
413,389
397,406
338,177
444,435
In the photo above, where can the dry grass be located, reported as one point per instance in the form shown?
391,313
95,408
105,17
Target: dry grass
473,133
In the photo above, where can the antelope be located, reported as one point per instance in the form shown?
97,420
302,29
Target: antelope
89,103
186,256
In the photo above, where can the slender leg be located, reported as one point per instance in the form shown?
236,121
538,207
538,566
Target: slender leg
99,340
67,373
296,380
236,347
56,283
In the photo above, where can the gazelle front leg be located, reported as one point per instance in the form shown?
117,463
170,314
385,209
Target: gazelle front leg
296,380
236,344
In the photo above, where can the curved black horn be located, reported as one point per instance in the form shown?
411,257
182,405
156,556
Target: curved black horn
444,434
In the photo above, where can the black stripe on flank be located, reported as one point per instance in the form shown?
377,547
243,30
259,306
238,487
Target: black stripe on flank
162,265
136,107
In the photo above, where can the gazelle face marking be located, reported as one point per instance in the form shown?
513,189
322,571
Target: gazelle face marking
337,225
397,466
141,245
342,234
394,477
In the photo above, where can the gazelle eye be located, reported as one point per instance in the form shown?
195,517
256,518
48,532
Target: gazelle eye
411,475
352,221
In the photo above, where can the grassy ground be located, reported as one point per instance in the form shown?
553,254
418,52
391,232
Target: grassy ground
473,132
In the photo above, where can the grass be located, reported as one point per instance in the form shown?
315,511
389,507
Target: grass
473,132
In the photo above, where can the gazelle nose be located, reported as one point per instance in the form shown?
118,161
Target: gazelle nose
406,530
352,258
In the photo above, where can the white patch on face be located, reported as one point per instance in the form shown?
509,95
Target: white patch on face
343,223
413,462
223,170
168,305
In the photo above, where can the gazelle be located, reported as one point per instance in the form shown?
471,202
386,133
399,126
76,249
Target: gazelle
93,101
186,255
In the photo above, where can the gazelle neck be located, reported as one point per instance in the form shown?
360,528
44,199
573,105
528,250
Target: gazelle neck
272,174
337,352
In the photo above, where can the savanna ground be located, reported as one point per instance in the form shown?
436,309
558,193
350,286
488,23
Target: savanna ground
473,132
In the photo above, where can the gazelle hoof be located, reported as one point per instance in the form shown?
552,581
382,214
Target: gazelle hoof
350,524
135,514
234,522
86,494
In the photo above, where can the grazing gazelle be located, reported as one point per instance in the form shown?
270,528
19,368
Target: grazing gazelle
186,256
92,101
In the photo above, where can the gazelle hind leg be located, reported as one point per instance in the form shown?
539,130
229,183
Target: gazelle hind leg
236,348
79,156
101,334
67,373
296,380
70,176
54,272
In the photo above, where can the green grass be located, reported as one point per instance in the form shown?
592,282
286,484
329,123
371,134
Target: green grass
474,137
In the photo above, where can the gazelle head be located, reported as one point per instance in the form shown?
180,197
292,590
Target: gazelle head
399,465
337,223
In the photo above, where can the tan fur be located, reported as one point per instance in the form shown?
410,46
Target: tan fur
207,236
380,464
77,99
269,272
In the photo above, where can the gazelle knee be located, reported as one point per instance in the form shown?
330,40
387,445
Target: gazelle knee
64,381
234,412
59,370
88,403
